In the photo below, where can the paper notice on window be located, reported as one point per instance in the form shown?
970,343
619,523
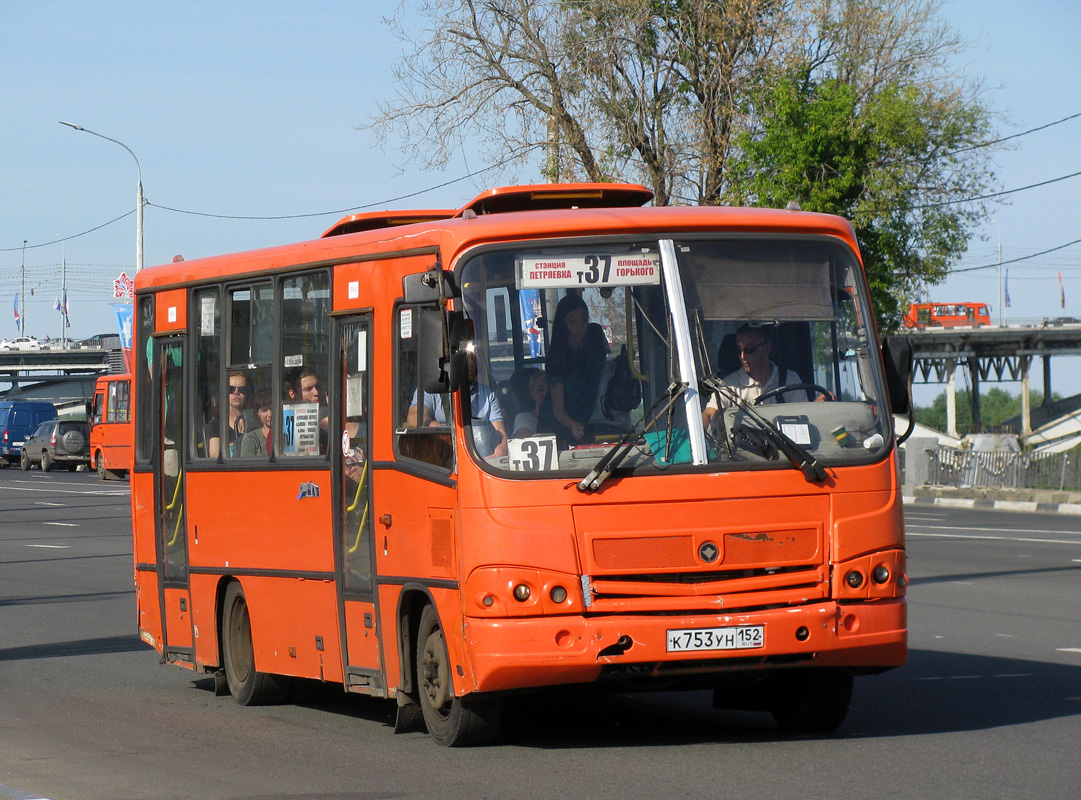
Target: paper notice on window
300,429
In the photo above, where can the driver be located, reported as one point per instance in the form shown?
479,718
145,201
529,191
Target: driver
757,374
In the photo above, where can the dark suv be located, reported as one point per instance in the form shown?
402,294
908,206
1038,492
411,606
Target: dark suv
57,442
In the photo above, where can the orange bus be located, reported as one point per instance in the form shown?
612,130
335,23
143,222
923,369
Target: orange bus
111,422
347,467
947,315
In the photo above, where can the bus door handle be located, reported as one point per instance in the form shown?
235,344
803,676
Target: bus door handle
385,520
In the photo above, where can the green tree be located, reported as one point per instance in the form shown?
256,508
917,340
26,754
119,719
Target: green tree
996,407
887,161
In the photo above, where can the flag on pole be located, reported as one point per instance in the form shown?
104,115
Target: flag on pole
62,307
16,308
1007,287
1061,291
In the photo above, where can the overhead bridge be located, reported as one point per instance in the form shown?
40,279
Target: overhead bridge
67,371
991,353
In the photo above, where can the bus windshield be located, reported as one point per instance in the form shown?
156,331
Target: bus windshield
692,352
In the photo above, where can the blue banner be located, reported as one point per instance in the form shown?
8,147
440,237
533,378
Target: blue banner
124,323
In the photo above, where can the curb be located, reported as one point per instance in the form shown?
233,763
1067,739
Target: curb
994,505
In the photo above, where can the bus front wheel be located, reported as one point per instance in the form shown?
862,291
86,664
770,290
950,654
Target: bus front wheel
812,700
99,461
452,721
248,687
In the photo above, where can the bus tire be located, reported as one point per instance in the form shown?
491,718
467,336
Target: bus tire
248,687
99,462
452,721
812,700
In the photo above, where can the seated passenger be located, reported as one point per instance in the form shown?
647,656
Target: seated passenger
240,421
489,431
258,442
756,376
531,387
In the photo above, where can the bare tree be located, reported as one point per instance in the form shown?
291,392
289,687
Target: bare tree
629,89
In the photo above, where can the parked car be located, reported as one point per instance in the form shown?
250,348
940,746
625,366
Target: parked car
18,420
21,343
57,442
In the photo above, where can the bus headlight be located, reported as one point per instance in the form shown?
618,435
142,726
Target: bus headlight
518,591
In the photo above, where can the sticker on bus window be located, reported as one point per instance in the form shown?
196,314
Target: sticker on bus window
585,270
534,454
294,361
406,324
206,316
300,429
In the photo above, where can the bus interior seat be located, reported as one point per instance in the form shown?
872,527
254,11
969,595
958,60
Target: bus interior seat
727,356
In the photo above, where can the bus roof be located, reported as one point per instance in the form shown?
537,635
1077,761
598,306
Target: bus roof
500,215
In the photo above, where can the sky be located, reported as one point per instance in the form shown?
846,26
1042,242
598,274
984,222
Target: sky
256,110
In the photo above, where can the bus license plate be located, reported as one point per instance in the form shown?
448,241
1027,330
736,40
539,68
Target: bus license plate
744,637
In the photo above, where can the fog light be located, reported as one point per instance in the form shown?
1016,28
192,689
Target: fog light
521,592
558,594
854,579
881,574
488,600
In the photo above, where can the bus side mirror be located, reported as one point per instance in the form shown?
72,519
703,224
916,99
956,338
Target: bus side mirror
429,287
897,360
440,371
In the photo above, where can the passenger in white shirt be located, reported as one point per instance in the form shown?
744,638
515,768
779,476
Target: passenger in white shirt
756,376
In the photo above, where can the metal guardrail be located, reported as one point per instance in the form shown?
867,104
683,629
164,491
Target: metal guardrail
950,466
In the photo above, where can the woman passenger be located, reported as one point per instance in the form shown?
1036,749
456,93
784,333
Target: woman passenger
576,360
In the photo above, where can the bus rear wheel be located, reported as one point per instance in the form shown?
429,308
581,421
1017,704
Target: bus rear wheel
248,687
812,700
99,461
452,721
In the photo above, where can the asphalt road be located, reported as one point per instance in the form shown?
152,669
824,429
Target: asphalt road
989,705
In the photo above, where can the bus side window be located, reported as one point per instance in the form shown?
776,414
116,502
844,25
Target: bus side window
206,304
142,367
123,401
99,402
423,421
305,362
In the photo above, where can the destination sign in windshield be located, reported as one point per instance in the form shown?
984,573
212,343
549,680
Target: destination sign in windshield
593,269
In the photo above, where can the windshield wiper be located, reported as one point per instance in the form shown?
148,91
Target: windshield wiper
615,455
796,453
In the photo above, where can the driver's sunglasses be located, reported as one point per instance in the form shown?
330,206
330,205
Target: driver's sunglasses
234,389
750,351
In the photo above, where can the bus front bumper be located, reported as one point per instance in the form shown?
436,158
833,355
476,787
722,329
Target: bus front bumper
509,654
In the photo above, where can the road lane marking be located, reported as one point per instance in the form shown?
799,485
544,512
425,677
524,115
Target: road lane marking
994,538
47,503
50,546
996,530
100,492
63,524
1068,649
16,794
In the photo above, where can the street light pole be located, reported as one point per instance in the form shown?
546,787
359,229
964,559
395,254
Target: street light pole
22,311
138,193
1001,292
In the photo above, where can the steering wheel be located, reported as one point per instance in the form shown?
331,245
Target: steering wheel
794,387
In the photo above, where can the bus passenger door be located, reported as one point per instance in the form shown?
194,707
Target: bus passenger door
352,508
172,533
